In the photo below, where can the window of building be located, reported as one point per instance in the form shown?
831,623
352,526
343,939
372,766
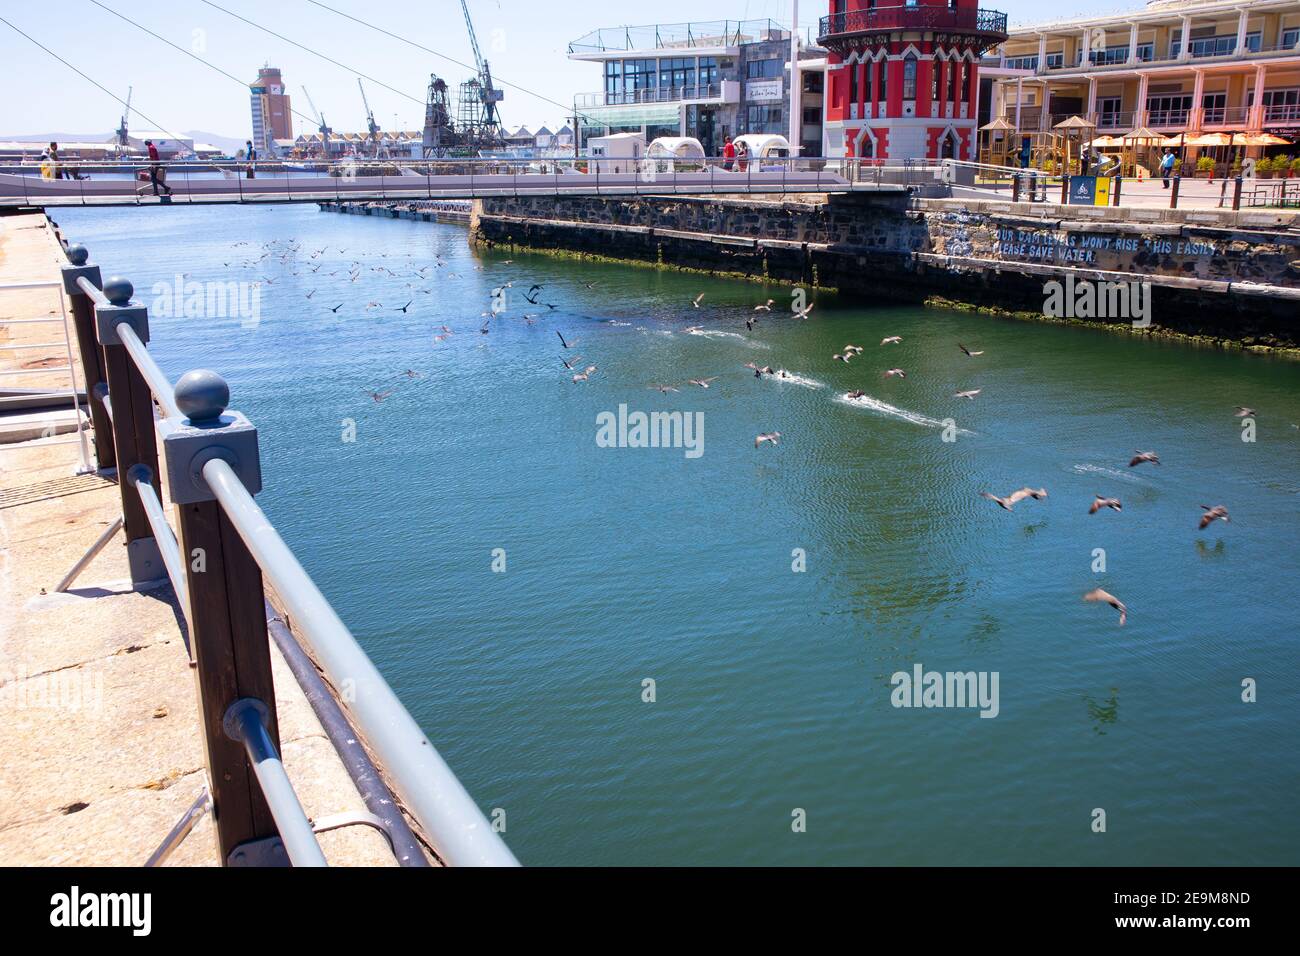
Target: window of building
884,81
1215,107
1108,112
638,78
1281,105
707,71
909,76
1055,60
812,115
676,74
869,74
936,72
1019,63
965,82
763,69
813,81
764,119
952,80
1291,37
613,78
1169,110
853,82
1213,45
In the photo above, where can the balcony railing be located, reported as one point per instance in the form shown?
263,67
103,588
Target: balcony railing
667,36
657,94
914,18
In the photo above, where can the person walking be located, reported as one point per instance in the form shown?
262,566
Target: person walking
728,154
1167,166
157,175
252,158
51,155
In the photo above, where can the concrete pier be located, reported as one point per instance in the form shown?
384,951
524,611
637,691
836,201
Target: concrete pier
99,723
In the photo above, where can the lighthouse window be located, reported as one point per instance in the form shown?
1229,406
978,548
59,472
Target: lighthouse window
909,77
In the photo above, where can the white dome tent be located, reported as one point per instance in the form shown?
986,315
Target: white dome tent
675,154
762,147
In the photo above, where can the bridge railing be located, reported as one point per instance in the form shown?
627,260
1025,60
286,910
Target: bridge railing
203,182
223,548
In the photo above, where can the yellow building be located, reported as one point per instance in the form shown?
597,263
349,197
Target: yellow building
1237,72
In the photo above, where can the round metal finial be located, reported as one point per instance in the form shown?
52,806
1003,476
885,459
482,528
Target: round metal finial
119,290
202,395
78,254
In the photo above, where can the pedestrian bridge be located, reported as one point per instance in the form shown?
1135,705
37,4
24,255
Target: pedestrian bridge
197,183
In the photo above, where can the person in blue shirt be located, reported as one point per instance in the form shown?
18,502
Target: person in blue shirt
1167,166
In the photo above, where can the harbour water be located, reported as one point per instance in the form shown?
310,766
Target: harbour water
772,686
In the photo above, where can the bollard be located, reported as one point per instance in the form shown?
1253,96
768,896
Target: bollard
1236,193
228,614
134,442
1015,187
1173,196
1065,188
92,356
1115,189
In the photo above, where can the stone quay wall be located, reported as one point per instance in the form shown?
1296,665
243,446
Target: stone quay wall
1232,277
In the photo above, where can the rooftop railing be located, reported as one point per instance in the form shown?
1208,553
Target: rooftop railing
217,558
661,36
905,17
656,94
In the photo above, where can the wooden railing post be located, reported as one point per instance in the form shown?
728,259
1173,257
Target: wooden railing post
1173,195
92,357
131,409
227,609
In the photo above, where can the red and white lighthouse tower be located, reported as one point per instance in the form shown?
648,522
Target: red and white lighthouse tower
902,81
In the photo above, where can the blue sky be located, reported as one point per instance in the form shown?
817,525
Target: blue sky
524,40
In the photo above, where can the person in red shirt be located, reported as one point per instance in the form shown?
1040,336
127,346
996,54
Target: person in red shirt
728,154
155,169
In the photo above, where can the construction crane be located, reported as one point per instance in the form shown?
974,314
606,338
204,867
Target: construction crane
122,135
321,126
371,125
477,114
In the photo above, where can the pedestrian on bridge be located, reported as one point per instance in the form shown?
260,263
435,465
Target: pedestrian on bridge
728,154
252,158
157,175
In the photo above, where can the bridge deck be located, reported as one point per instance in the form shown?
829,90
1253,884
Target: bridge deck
32,191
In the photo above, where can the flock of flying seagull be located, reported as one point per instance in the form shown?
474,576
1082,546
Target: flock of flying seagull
287,252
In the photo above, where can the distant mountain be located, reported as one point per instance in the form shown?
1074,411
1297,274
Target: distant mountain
59,138
227,144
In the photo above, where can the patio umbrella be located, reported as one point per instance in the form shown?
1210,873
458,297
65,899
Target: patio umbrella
1208,139
1106,142
1258,139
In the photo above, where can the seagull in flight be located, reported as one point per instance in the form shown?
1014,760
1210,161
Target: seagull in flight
969,393
702,382
1099,502
378,396
1098,594
1244,412
564,342
771,437
891,340
405,307
765,307
968,351
664,388
1010,500
1213,514
890,373
1142,456
697,300
337,307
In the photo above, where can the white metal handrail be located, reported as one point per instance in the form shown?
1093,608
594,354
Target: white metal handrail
74,389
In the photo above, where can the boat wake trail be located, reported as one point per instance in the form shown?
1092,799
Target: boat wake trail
794,379
884,408
720,334
1116,473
